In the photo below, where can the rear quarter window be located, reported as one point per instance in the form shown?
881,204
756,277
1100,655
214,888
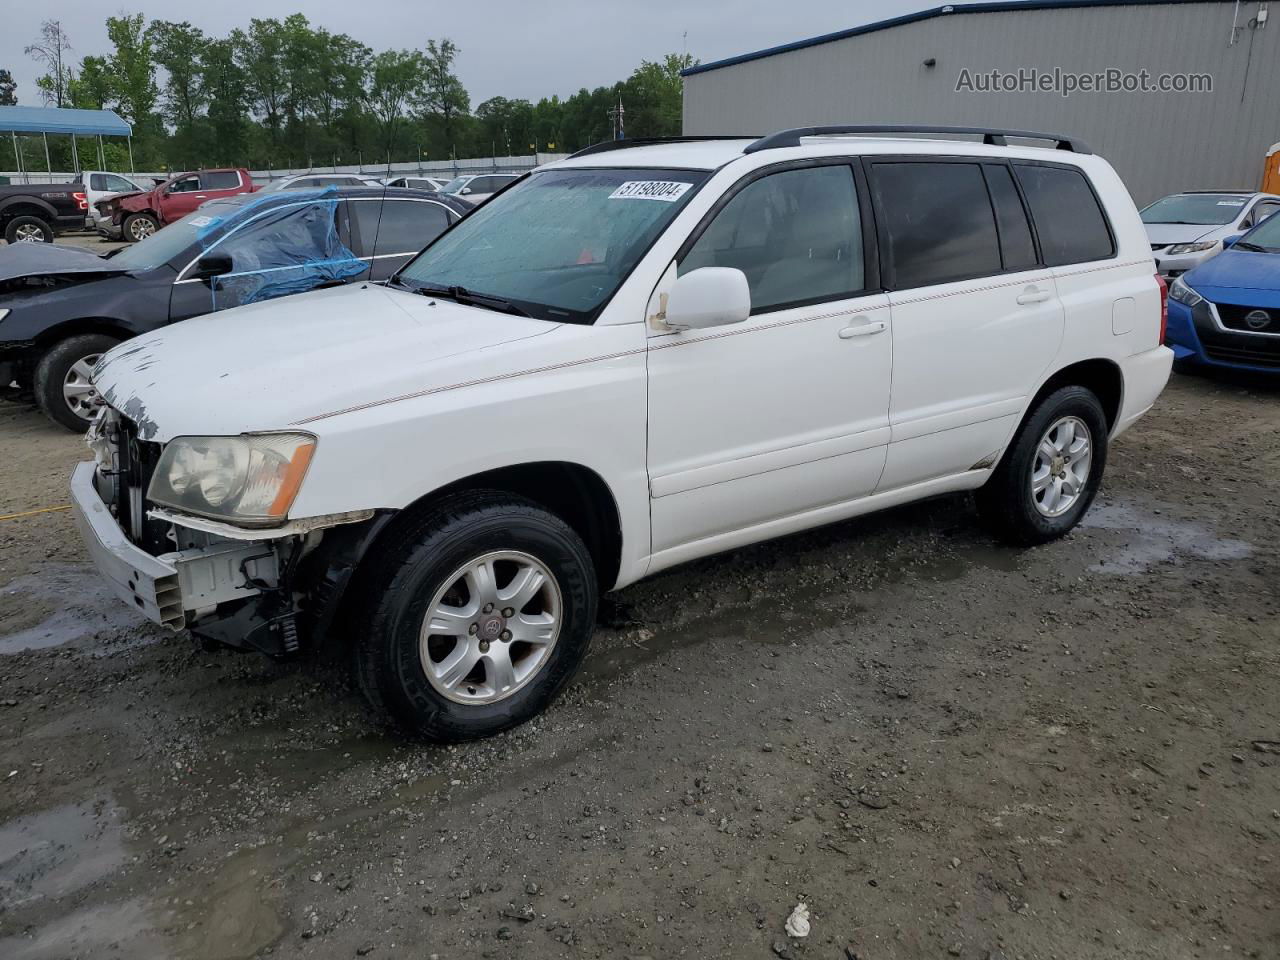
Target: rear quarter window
1069,220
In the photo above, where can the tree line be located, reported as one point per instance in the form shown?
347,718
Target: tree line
283,93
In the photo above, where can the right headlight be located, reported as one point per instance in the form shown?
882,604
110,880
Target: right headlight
249,480
1199,247
1181,292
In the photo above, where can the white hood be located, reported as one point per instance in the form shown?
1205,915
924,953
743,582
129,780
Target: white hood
1163,234
268,365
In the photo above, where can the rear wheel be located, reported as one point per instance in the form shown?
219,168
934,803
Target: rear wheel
62,379
28,230
475,617
139,226
1052,470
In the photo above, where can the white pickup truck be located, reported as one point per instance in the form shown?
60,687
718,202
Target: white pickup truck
103,185
632,358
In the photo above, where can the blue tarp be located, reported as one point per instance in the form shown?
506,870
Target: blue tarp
289,249
63,121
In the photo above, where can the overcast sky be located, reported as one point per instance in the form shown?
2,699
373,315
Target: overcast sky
514,48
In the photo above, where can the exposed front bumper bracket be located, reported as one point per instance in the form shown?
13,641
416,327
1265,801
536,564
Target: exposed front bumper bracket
169,588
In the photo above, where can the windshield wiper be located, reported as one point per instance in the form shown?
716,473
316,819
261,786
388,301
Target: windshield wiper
1246,245
467,298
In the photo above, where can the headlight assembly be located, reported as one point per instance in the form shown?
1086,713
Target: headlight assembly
1191,247
250,480
1181,292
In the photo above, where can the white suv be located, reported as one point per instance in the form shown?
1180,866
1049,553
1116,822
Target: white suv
633,358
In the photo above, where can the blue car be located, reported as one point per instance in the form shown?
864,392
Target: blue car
1226,312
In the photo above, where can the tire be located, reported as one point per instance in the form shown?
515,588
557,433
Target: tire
1008,502
28,229
138,226
62,368
416,572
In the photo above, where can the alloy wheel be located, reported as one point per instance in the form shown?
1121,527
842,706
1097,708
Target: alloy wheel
1060,471
29,233
491,627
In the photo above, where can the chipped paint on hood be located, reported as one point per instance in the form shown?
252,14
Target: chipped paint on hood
269,365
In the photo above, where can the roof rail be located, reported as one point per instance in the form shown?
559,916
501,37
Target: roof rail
791,138
604,146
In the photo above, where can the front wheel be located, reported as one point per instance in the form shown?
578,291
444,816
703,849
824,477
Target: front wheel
139,226
475,617
62,382
1052,470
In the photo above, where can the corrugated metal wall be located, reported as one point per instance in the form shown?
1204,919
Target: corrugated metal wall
1159,142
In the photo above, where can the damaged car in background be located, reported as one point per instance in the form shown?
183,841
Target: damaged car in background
62,308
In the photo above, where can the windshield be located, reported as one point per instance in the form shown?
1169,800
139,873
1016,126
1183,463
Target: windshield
1202,209
1265,237
163,245
558,244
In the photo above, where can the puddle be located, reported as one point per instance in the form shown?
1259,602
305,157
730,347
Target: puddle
56,852
112,929
1155,539
82,605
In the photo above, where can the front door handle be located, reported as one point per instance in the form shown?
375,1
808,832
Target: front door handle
864,329
1033,295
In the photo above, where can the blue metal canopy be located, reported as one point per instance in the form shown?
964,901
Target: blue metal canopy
105,123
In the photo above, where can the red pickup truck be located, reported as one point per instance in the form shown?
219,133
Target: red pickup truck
139,215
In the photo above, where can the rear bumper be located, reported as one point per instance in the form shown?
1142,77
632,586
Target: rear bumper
1145,375
174,589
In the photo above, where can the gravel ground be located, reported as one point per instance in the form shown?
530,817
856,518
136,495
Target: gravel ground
944,747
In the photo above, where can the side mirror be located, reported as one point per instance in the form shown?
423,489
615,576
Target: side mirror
465,190
1230,241
708,297
212,265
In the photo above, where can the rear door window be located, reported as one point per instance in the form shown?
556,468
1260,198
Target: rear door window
397,226
795,234
220,180
1017,249
937,222
1069,220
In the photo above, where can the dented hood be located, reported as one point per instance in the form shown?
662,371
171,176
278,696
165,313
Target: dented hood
19,260
270,365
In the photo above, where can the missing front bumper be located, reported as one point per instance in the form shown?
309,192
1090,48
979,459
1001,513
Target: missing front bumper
175,588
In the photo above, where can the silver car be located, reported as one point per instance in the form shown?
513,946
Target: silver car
1186,229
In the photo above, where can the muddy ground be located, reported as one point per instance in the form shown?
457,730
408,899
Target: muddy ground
943,746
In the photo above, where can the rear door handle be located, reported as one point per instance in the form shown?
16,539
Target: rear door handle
1033,295
863,329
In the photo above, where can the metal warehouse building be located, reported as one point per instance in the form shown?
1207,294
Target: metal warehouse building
936,67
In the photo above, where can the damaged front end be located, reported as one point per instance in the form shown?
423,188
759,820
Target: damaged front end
270,590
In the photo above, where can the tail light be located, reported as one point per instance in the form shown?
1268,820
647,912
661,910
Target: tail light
1164,305
82,200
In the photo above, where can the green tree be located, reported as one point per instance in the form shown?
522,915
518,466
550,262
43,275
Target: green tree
8,85
180,49
51,49
397,80
654,95
133,69
260,55
92,88
443,94
226,87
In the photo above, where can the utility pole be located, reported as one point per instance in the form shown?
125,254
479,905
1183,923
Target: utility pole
616,115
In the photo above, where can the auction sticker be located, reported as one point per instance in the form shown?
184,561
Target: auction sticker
200,221
667,190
